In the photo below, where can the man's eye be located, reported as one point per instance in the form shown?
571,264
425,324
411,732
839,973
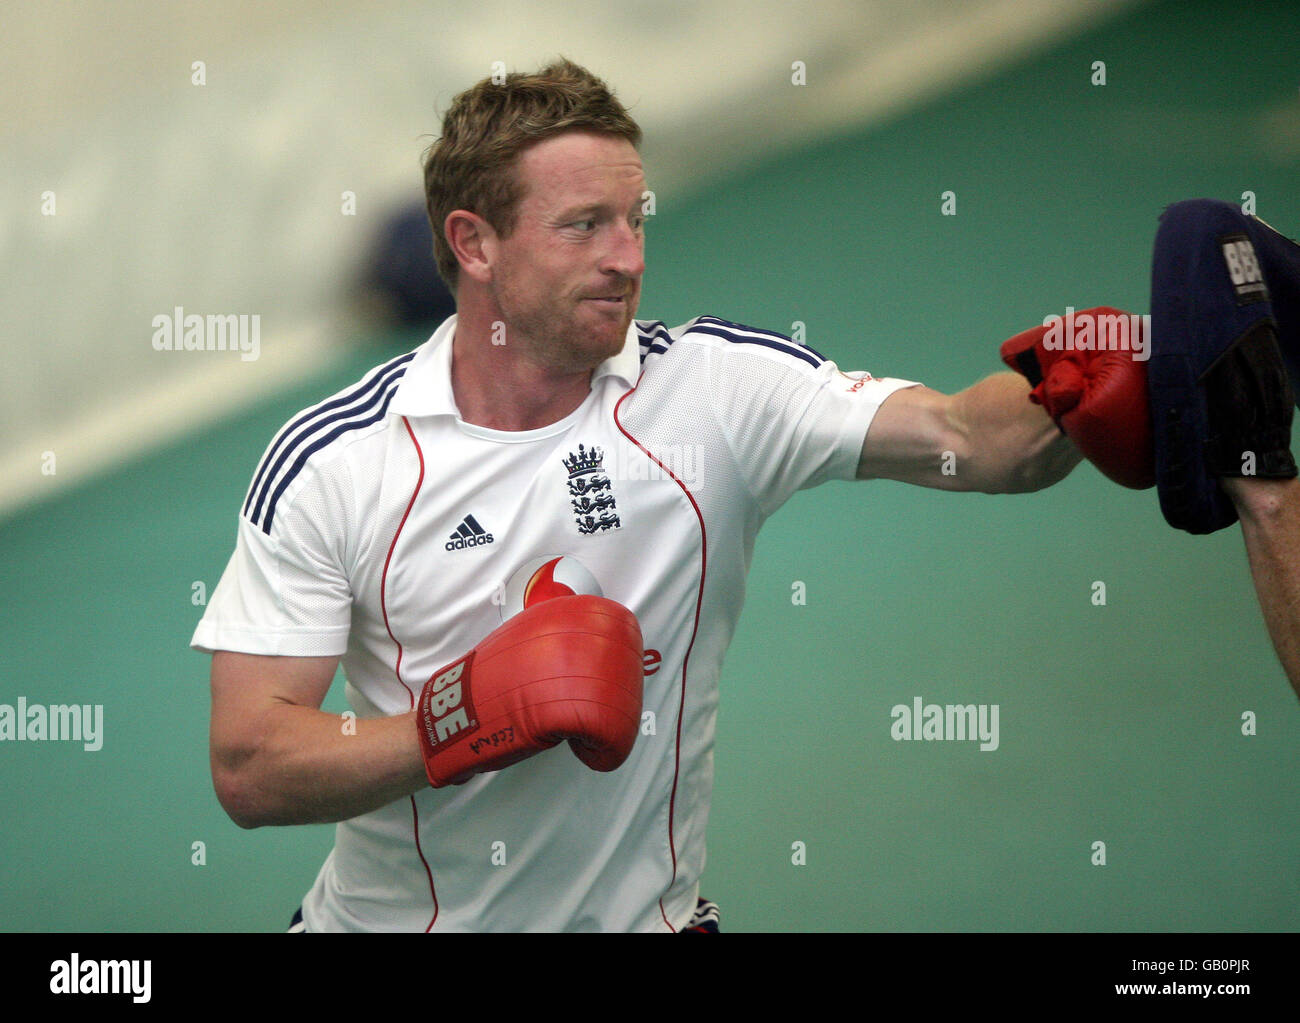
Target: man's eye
585,225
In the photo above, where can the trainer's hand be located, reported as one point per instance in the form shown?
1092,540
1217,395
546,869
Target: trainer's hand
566,668
1097,398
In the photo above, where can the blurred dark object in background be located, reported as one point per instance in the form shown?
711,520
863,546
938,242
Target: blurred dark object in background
399,281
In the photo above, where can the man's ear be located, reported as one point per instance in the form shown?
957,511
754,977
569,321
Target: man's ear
473,241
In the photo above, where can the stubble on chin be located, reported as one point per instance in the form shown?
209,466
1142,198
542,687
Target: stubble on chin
563,344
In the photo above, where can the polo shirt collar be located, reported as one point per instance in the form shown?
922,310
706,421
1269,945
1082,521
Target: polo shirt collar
425,389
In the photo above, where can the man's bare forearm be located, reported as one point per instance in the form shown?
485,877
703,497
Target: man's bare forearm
1270,525
312,767
1015,446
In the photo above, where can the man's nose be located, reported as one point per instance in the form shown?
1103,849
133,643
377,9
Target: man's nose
626,252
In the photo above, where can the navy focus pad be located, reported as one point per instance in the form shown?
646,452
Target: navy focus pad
1215,379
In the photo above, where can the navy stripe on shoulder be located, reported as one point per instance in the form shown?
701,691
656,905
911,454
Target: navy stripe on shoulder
741,334
353,409
653,336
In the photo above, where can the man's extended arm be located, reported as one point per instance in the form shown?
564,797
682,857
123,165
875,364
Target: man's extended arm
987,438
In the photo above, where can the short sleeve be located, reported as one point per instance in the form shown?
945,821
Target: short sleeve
285,590
792,418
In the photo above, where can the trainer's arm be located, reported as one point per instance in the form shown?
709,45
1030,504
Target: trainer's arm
987,438
1270,524
277,758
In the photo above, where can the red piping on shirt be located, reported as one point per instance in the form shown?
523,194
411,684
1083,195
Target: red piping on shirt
383,603
699,601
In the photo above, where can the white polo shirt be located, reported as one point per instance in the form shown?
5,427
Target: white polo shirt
381,528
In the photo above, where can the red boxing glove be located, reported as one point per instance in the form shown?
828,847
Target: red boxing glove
566,668
1089,373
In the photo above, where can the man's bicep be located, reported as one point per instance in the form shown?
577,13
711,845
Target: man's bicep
246,686
912,439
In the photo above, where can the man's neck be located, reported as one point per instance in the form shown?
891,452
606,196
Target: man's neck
501,389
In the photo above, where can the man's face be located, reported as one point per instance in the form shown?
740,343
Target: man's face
568,279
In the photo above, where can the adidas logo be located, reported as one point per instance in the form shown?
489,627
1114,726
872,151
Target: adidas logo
468,534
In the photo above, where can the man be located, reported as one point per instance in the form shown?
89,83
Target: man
536,528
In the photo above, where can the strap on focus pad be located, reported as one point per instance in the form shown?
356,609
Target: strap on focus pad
1250,406
1280,258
